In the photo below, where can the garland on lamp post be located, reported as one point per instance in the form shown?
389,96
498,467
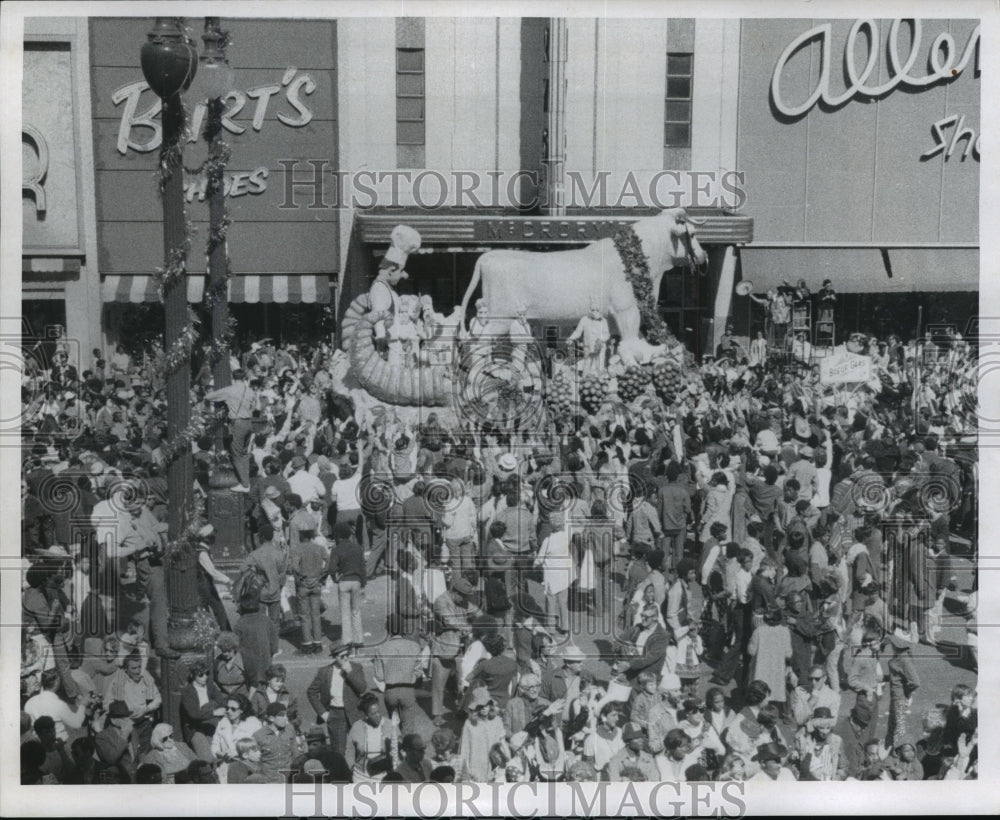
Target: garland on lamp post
171,159
219,290
176,265
181,549
221,342
185,438
180,350
176,268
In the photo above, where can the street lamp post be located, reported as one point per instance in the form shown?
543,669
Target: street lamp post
216,80
169,62
225,509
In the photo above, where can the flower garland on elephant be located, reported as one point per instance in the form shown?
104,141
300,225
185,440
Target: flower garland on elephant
636,265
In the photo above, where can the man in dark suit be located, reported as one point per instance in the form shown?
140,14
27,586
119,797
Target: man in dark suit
414,767
855,731
334,695
650,639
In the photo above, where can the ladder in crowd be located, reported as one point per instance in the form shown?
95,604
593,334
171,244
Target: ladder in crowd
820,334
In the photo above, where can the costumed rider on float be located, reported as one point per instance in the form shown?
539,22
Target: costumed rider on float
382,297
595,334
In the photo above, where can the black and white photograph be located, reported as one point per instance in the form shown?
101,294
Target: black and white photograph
418,406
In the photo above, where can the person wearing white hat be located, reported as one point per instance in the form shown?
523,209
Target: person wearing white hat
507,465
383,299
270,506
803,470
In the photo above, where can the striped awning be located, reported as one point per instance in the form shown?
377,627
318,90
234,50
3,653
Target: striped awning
290,289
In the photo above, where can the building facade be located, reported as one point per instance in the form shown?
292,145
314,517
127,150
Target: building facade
872,182
280,114
535,133
59,240
538,133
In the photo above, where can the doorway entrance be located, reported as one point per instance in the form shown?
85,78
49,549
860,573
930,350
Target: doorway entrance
685,307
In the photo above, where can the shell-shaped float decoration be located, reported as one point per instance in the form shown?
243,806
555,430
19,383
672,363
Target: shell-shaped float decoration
426,385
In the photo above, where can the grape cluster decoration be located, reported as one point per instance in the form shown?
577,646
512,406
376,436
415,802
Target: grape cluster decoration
632,383
668,380
559,394
594,389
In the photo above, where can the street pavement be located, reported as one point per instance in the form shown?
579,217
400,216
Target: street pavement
939,668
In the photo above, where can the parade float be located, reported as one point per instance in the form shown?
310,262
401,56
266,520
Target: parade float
402,353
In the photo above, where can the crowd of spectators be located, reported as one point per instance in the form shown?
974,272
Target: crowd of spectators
760,562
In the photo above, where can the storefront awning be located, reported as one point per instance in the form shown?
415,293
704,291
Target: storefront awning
57,265
864,270
290,289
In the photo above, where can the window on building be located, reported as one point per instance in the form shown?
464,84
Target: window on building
677,110
410,120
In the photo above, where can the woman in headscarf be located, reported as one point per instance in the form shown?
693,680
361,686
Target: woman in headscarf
482,730
230,675
796,579
170,755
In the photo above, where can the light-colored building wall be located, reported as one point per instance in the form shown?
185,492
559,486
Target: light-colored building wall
616,76
508,61
461,93
716,82
585,111
366,56
472,76
632,76
83,293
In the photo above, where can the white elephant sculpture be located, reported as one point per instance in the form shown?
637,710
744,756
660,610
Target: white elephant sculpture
559,284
